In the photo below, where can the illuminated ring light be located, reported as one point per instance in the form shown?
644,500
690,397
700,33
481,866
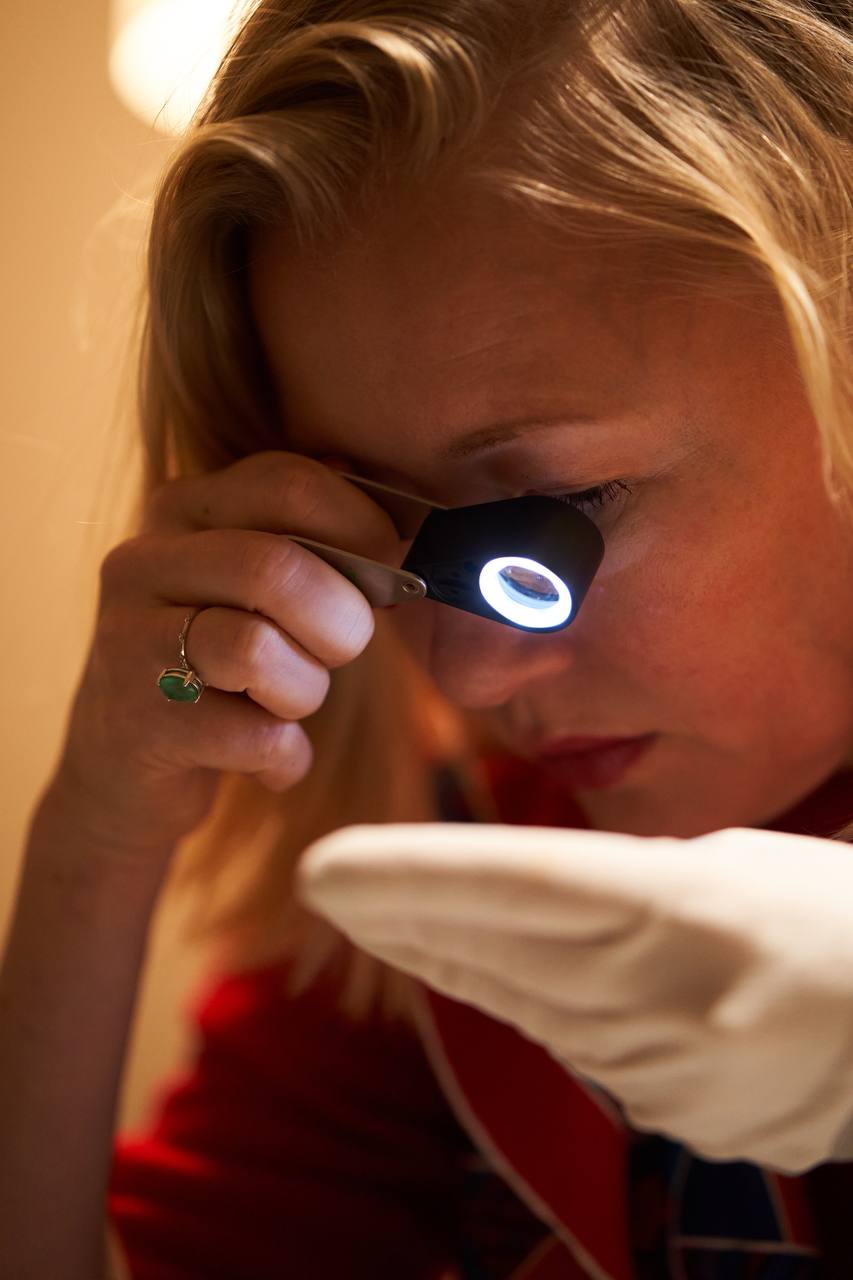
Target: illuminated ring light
511,601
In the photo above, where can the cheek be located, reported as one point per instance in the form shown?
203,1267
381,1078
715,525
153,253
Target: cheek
721,608
669,613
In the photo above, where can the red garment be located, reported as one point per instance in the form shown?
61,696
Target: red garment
298,1145
304,1146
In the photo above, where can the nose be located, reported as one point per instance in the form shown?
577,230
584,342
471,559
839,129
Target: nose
478,663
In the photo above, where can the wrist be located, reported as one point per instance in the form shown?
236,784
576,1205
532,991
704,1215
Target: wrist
70,817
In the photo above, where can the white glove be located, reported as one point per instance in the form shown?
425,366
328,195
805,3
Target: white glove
706,983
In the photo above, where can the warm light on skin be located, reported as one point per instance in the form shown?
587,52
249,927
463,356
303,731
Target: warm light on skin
721,616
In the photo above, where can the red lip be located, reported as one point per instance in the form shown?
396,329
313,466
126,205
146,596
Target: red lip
575,746
602,764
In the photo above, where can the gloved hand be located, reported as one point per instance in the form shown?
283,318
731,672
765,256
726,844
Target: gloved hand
707,984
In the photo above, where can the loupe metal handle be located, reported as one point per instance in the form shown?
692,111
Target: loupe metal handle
380,583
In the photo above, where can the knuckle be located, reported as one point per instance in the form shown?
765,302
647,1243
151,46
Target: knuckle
317,690
300,754
354,633
268,746
275,565
297,480
120,563
282,780
302,483
307,691
253,644
277,747
165,500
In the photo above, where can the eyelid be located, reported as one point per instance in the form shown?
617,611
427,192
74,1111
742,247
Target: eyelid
612,488
596,500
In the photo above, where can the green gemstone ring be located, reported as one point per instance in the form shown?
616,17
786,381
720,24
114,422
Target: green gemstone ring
181,684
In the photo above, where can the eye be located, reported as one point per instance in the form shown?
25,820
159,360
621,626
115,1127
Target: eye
600,496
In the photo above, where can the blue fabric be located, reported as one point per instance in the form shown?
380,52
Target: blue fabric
680,1203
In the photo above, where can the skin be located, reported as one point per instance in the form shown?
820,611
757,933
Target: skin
721,617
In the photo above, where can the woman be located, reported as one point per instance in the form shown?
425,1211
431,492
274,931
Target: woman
472,251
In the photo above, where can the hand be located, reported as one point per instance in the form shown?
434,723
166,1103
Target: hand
275,620
706,983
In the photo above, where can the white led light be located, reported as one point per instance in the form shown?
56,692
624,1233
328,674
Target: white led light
499,592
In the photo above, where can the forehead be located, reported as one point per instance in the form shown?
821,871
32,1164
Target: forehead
449,307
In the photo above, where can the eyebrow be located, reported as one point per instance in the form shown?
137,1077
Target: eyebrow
490,436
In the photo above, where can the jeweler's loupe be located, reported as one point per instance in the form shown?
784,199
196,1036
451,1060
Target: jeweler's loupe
527,562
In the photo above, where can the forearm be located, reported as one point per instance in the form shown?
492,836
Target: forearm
67,990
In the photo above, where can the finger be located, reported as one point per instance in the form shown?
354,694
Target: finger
227,732
276,491
611,976
566,882
651,964
222,731
239,652
616,1042
306,598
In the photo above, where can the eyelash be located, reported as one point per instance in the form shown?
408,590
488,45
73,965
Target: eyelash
600,496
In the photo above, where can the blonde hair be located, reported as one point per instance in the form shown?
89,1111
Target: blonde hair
718,132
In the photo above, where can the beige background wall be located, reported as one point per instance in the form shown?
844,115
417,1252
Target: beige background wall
69,257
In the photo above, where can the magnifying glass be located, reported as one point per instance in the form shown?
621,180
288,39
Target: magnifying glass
526,562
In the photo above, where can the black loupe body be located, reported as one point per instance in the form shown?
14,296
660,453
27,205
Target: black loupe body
523,561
